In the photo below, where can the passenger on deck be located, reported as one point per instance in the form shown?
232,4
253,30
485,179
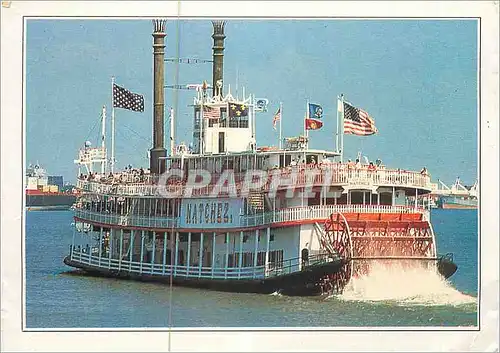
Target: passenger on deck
350,164
358,164
305,256
424,171
371,167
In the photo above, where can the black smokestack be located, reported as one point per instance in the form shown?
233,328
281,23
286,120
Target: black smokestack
156,162
218,57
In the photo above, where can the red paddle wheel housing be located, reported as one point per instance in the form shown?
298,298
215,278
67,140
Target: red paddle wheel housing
361,238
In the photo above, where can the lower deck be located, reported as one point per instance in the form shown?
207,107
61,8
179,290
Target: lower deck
254,254
296,258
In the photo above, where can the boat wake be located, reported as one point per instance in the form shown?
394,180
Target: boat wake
408,286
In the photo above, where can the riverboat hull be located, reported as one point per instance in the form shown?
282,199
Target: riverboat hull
308,282
301,283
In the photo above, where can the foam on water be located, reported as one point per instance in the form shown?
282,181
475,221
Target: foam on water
417,285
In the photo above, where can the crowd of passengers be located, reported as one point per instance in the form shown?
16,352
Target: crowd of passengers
129,175
350,165
140,175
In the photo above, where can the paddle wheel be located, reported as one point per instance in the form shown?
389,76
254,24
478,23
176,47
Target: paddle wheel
362,239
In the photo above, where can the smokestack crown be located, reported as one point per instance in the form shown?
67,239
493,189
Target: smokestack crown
159,26
218,28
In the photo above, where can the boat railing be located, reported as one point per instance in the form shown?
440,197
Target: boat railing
319,212
150,268
299,213
297,264
84,256
301,176
125,220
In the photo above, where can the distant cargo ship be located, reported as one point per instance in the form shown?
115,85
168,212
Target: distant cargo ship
457,196
47,192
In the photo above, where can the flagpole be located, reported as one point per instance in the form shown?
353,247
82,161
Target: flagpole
254,125
201,121
172,132
112,125
338,121
307,130
103,138
342,129
281,120
306,133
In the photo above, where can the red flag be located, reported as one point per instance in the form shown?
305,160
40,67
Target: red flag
313,124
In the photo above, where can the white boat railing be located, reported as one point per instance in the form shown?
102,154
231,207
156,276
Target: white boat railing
124,220
160,269
300,177
318,212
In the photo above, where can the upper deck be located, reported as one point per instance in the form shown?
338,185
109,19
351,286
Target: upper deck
300,176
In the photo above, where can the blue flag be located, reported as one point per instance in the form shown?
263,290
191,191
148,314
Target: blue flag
261,104
315,111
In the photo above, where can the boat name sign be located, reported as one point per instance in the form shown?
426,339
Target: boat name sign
203,213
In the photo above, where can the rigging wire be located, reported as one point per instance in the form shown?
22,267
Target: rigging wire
93,127
135,145
148,140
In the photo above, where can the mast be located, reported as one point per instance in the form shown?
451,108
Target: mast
158,152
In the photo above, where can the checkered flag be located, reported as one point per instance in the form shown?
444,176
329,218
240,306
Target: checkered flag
123,98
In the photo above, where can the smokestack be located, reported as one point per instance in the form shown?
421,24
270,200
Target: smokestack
218,56
156,163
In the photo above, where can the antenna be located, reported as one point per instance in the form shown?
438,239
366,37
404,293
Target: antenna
237,79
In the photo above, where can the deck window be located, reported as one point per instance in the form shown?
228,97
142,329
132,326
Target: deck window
276,258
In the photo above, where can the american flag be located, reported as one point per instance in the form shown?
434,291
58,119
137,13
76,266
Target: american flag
123,98
357,121
276,118
211,112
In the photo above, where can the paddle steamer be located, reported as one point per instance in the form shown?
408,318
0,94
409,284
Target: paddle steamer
227,214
